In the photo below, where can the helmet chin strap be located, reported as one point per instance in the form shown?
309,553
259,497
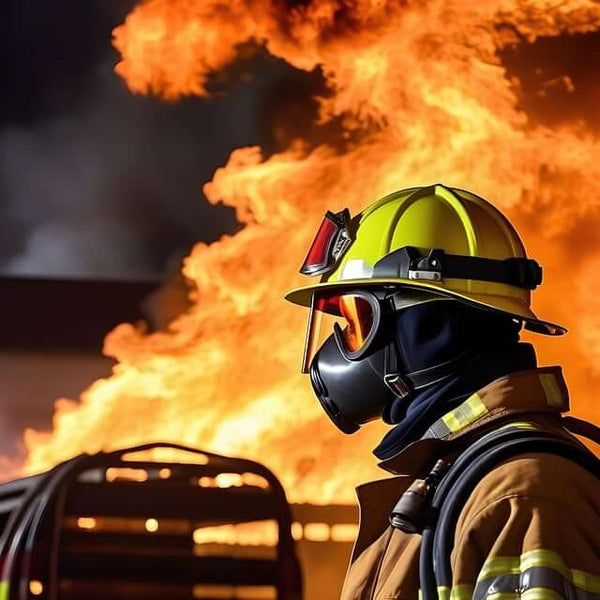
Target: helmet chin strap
405,384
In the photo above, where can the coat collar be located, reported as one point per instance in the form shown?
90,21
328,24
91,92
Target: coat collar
541,390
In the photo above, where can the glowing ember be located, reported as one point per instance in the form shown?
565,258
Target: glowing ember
426,99
36,587
86,522
151,525
245,534
114,474
317,532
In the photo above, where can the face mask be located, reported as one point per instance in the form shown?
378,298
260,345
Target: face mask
353,359
352,392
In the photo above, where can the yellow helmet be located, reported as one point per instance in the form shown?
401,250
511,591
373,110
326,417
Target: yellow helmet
445,240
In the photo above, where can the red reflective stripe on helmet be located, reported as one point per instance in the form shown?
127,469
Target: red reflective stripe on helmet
320,252
330,244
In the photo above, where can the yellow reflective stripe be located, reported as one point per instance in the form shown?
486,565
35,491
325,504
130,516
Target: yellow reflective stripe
463,591
539,558
553,394
545,558
530,594
520,425
586,581
4,589
451,422
443,592
502,565
469,411
541,594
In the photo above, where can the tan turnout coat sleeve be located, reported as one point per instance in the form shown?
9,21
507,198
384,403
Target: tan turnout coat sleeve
530,529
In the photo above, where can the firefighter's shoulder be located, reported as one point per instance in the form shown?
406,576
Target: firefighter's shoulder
536,477
532,522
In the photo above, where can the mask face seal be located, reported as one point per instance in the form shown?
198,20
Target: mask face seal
352,392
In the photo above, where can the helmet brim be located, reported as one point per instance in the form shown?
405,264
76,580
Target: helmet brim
510,306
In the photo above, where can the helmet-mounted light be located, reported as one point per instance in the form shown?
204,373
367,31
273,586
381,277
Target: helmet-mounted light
330,244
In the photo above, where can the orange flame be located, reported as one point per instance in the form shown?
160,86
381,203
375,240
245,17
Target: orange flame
422,91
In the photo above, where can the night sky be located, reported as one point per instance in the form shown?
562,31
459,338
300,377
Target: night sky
97,183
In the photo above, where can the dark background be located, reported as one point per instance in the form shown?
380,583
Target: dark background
97,183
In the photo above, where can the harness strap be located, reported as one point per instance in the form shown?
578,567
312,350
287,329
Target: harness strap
582,428
403,384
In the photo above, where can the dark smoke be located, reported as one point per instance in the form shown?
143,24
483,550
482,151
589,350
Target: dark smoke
556,78
98,183
112,189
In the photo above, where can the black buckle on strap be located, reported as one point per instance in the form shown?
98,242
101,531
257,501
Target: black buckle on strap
397,384
526,273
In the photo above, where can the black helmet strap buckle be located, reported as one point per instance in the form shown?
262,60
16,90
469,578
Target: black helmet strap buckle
398,385
436,265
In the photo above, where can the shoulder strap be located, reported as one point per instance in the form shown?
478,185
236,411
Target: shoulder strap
460,481
582,428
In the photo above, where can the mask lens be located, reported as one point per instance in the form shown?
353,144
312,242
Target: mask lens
321,320
359,318
355,316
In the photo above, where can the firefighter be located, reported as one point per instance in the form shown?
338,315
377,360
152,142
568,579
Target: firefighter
416,320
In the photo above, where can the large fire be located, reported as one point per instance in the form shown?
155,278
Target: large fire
423,98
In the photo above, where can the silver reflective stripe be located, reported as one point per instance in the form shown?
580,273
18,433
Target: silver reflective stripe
534,578
437,431
407,297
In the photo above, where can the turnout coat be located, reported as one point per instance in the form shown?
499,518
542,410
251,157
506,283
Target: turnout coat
530,529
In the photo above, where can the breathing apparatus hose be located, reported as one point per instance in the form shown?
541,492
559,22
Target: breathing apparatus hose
467,471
